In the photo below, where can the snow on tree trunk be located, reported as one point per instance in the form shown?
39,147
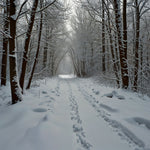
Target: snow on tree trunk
26,45
37,52
122,53
15,88
116,69
5,45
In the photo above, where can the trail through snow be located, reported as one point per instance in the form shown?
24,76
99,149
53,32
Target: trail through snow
74,114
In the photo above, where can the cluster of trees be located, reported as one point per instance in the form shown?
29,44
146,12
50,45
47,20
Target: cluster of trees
108,37
31,33
112,37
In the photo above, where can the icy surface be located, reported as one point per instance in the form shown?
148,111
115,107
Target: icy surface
68,113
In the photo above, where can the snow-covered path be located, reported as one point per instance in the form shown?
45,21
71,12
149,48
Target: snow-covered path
98,131
75,114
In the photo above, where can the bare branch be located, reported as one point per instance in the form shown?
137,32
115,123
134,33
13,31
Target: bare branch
45,7
21,8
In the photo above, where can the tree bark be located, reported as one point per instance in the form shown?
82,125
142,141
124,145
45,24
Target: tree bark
45,55
136,67
26,45
37,52
125,28
122,53
15,88
5,45
116,69
103,37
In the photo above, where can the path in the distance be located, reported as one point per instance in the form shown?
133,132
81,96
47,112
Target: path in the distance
90,131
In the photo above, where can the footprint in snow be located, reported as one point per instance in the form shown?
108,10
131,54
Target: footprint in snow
44,92
114,93
121,97
51,98
108,108
45,118
77,128
40,110
96,92
109,95
142,121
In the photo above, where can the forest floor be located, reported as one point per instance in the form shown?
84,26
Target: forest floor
74,114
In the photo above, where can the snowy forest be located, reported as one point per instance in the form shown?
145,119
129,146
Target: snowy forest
75,50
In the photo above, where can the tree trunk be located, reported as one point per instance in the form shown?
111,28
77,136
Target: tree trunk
116,70
122,53
45,55
136,67
37,52
92,56
125,28
15,89
103,37
5,45
45,44
26,45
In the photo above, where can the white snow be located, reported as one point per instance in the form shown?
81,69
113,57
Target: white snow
14,17
67,113
66,76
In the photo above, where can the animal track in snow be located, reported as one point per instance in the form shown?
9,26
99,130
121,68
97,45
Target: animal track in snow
122,131
77,123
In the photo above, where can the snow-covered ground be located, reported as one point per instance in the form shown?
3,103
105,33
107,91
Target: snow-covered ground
74,114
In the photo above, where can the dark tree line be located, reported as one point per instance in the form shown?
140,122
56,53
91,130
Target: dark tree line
13,14
109,38
116,40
